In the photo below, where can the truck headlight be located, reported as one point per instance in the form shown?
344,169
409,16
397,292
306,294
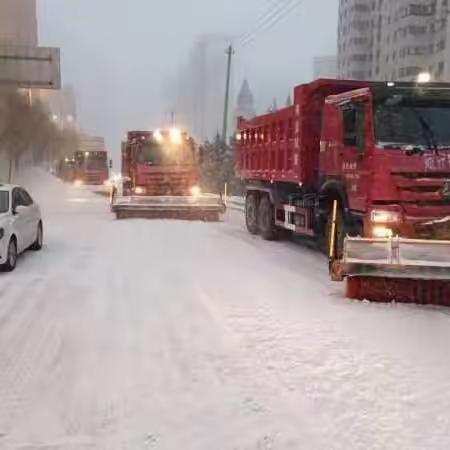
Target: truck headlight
382,216
195,191
139,190
78,183
382,232
176,136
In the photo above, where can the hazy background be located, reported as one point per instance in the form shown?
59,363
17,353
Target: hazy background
120,55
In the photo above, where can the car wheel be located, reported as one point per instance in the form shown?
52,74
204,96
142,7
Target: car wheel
39,242
11,259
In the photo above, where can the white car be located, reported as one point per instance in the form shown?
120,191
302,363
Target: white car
20,225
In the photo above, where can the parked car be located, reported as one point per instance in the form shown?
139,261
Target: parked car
21,225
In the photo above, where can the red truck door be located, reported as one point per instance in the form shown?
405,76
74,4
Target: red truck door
355,145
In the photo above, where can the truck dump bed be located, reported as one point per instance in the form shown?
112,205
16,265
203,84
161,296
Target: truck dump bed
284,145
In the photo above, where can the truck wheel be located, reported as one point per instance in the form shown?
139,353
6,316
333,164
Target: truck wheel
251,213
266,222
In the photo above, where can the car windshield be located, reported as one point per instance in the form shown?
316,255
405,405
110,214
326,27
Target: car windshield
413,125
155,154
4,201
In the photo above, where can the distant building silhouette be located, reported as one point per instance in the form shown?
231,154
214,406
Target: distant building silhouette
245,102
196,93
289,100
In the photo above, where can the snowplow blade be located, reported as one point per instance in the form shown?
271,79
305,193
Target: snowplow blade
183,208
401,270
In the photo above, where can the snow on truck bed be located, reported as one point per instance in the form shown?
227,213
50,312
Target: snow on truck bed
182,335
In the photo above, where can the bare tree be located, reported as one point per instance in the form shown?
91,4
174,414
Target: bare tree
27,129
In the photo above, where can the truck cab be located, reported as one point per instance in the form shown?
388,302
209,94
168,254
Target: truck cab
387,150
380,150
91,167
163,162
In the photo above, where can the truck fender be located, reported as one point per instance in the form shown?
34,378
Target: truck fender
333,189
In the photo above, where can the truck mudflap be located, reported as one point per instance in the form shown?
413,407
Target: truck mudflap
169,207
396,269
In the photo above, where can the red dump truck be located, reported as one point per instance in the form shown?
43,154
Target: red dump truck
364,169
161,177
91,161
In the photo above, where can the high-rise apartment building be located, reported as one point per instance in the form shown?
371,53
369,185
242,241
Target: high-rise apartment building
18,22
394,39
199,88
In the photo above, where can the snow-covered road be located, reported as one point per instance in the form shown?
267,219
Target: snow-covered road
179,335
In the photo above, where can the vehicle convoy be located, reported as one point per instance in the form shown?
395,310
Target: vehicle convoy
160,178
20,225
363,168
88,165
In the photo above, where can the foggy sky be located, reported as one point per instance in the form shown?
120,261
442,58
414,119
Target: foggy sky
118,54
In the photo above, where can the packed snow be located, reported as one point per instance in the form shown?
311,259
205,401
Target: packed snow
187,335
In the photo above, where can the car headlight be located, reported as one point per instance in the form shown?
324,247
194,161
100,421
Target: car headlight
382,216
2,233
139,190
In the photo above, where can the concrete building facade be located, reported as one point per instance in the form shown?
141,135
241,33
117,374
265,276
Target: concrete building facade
62,106
18,22
393,40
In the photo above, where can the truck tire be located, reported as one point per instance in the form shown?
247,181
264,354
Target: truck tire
266,220
251,213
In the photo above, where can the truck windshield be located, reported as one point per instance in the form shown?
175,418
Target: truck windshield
96,160
92,160
154,154
413,125
4,201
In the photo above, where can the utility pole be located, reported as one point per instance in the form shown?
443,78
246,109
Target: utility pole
230,52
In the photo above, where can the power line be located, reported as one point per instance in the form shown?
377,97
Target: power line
272,21
275,7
